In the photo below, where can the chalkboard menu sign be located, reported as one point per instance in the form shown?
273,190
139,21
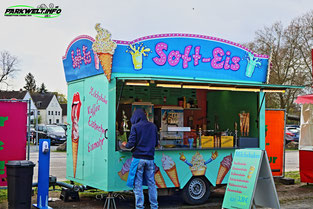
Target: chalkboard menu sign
250,181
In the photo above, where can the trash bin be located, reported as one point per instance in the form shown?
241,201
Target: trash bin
20,179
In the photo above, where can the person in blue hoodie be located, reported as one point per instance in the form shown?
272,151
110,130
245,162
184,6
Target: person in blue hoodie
142,141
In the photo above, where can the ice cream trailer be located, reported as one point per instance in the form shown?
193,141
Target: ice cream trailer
205,94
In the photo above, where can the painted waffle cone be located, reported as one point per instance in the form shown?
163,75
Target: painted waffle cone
172,173
74,151
159,180
221,174
124,176
106,63
199,172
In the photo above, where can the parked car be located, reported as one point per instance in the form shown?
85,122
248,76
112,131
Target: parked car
292,133
64,126
55,133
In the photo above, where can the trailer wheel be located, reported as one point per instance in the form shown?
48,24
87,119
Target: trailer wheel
196,191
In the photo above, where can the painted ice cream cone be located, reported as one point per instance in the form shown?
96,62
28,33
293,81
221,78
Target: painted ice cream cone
172,173
104,47
169,167
74,153
106,63
224,168
159,180
123,174
221,174
76,105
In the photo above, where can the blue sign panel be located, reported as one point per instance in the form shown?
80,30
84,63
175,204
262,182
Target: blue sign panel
170,55
80,61
189,56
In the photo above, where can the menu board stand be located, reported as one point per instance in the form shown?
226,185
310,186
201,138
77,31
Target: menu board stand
250,182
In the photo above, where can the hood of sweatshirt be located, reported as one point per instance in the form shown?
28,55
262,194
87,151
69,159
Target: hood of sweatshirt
138,115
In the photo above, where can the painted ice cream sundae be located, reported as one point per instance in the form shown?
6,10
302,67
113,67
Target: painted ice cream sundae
123,173
104,47
159,180
253,62
76,105
224,168
197,165
137,53
169,167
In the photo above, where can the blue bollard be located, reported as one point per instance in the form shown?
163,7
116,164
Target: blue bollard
43,174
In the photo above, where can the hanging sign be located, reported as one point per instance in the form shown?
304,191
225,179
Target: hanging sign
250,181
80,61
187,56
190,56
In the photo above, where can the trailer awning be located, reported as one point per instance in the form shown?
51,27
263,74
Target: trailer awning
208,85
305,99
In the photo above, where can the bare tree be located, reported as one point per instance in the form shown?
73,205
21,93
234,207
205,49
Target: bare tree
8,67
291,61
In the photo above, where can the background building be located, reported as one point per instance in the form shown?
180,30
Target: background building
21,95
49,109
64,113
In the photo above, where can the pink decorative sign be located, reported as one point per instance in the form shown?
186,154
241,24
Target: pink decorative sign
13,129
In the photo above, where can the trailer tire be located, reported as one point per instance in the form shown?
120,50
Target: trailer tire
197,191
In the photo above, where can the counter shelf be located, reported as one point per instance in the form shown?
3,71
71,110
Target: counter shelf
187,148
201,140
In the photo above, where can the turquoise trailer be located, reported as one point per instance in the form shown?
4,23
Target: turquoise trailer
205,94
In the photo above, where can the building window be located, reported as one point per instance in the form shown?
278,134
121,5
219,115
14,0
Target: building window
38,112
51,112
59,112
48,112
56,112
49,121
57,121
39,104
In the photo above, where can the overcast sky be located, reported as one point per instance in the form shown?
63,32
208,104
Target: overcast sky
40,43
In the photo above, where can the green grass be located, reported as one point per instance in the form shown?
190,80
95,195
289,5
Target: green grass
59,151
294,175
3,195
307,186
92,194
289,149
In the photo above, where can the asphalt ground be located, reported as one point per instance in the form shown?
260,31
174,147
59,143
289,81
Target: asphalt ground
58,162
126,200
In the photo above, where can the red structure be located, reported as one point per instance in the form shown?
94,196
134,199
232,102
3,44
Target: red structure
13,124
306,138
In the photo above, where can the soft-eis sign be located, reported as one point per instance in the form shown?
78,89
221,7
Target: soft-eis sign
218,60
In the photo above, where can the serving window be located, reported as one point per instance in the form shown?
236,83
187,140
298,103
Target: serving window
188,116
